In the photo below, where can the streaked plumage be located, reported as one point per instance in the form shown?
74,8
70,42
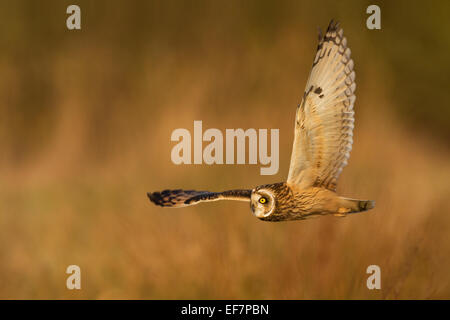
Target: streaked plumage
322,143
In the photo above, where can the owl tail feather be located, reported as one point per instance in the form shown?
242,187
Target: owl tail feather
355,205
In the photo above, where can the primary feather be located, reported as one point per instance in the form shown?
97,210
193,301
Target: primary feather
182,198
324,121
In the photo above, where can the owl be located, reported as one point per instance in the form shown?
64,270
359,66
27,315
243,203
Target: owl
323,138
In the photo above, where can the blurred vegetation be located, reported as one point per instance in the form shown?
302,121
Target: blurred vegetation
85,123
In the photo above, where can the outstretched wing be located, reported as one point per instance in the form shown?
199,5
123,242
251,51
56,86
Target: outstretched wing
182,198
324,120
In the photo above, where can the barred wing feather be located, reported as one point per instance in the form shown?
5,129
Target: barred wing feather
324,120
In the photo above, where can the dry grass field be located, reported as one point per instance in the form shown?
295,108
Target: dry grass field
85,124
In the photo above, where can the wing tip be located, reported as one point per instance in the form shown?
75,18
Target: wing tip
173,198
156,198
164,198
333,30
333,26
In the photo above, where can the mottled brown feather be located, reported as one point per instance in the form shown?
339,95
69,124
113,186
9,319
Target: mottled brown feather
324,122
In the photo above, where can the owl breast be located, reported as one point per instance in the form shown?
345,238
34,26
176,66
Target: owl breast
294,204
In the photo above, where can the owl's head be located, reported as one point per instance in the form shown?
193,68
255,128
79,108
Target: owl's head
263,202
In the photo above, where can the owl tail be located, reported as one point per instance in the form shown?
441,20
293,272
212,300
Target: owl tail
355,206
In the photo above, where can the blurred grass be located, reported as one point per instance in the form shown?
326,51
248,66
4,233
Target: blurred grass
85,124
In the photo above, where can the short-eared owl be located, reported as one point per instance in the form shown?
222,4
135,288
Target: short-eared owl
322,144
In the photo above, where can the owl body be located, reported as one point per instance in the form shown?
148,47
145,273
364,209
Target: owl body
288,202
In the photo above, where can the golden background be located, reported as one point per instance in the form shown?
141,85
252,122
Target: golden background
85,124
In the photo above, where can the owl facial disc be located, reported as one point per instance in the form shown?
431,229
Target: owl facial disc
262,203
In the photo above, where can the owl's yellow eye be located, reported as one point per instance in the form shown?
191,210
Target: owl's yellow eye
262,200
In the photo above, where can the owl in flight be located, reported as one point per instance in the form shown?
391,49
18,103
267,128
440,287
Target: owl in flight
322,143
